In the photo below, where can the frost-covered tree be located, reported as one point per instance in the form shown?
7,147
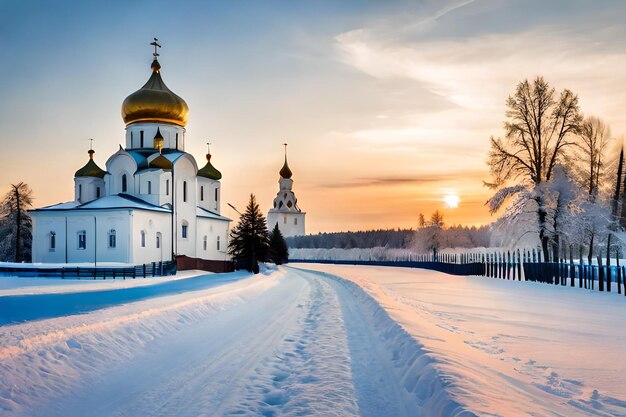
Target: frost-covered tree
278,252
539,127
249,240
16,224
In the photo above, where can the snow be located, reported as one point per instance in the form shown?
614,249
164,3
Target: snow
346,341
509,348
42,285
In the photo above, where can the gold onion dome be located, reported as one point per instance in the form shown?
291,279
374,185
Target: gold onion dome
160,162
90,169
154,102
285,172
209,171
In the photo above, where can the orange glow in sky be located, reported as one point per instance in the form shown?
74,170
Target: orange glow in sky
387,107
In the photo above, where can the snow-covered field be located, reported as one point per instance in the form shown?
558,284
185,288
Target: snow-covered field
374,342
509,348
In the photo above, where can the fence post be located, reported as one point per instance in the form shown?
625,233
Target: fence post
600,271
619,271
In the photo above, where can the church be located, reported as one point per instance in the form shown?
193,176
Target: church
151,203
285,213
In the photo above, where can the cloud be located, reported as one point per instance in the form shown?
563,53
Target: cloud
477,73
416,180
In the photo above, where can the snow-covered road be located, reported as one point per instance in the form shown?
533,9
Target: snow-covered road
320,340
291,344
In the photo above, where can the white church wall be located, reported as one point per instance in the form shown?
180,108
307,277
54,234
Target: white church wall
185,171
209,194
216,234
120,164
168,131
86,189
69,225
151,224
43,228
290,224
155,192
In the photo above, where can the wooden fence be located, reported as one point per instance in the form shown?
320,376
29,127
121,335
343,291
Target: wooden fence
153,269
518,264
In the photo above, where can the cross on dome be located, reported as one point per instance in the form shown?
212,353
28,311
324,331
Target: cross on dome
156,45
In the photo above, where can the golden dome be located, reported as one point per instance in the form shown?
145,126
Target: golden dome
154,102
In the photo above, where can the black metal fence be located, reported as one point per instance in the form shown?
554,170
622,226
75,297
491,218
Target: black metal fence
153,269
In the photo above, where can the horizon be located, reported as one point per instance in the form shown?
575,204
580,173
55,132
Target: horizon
387,109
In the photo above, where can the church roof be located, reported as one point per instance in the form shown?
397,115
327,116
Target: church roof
202,212
117,201
91,169
209,171
141,156
154,102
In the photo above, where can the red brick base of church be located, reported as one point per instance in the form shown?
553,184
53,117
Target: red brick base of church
184,263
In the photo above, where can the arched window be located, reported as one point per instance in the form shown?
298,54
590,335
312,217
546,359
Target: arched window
167,187
201,193
112,239
204,243
184,228
216,190
184,191
124,183
141,138
80,192
149,187
53,241
97,192
143,239
158,240
218,243
82,240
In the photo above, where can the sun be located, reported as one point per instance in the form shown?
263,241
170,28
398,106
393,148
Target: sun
452,200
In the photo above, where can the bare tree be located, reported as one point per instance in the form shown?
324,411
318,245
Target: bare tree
538,129
590,153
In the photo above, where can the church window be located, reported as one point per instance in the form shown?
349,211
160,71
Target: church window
177,141
184,230
97,192
82,240
124,183
218,243
143,239
202,193
204,242
149,187
280,205
80,192
158,240
295,221
112,238
141,139
167,187
53,241
184,191
216,195
289,204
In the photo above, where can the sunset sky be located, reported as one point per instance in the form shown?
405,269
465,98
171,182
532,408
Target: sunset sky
387,106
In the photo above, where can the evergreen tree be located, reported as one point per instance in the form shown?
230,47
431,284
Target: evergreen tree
279,253
16,225
249,240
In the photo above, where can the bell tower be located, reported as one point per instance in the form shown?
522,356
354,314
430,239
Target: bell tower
286,213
